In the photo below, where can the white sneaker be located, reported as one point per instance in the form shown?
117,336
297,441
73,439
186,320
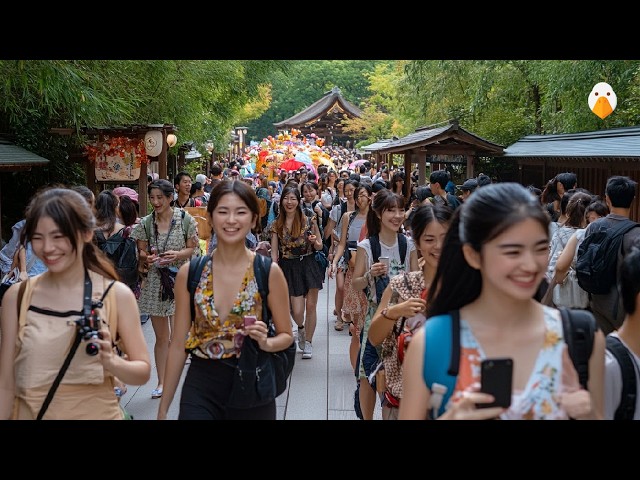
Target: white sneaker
301,339
308,350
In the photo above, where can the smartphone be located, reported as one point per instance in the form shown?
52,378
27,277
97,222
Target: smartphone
384,260
496,378
250,320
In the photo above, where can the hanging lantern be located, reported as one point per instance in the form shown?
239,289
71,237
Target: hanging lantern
153,143
171,140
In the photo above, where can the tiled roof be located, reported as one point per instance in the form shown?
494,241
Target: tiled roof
615,142
426,136
319,108
13,157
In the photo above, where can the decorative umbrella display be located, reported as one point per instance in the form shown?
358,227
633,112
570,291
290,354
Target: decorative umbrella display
357,163
291,164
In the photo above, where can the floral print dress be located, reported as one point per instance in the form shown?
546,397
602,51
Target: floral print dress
150,300
212,338
540,399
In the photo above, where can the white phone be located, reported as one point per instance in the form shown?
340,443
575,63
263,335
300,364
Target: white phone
384,260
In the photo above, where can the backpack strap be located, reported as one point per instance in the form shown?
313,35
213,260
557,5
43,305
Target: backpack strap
441,344
185,225
579,328
402,244
261,269
374,242
196,265
627,407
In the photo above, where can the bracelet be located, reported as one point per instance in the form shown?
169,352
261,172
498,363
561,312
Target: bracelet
367,276
384,314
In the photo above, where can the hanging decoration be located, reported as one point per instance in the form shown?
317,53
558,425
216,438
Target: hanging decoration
117,158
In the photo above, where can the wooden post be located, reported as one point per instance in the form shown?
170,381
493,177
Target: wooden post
470,162
142,189
162,158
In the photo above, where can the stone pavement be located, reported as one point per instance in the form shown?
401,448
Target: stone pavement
320,388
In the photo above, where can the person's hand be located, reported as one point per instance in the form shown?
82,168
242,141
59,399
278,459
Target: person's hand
257,331
311,238
408,308
332,270
464,408
168,257
105,351
575,400
378,269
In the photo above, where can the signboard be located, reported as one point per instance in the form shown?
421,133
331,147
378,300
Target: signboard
117,168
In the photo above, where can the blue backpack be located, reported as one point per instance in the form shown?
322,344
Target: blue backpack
442,349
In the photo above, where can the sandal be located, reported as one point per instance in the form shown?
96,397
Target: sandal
156,393
339,325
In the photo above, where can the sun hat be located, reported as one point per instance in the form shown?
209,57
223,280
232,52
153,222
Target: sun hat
126,192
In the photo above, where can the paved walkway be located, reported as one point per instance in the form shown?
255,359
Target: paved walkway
321,388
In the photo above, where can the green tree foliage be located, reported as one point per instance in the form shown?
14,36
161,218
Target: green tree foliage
202,98
306,82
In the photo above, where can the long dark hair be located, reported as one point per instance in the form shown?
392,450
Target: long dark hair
384,200
490,211
426,214
73,215
106,210
297,226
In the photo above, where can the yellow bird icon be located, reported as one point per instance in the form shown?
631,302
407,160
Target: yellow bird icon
602,100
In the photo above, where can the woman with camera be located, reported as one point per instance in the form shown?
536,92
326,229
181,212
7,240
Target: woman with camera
228,307
163,246
60,333
295,238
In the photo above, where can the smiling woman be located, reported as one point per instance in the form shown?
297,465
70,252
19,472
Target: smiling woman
227,308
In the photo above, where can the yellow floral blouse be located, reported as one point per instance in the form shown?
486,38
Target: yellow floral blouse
209,338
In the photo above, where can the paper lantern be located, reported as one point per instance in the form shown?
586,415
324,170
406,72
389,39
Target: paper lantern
153,143
171,140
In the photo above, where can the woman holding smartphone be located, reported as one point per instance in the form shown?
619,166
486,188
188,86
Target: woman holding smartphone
402,308
228,307
496,256
294,240
384,220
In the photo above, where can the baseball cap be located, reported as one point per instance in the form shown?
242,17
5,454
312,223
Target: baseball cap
377,186
126,192
202,178
470,184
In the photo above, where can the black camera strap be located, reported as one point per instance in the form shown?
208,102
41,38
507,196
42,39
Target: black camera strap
86,311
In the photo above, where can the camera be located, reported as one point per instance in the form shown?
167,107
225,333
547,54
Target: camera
89,327
308,212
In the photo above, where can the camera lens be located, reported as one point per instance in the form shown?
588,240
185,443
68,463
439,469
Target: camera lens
308,212
92,349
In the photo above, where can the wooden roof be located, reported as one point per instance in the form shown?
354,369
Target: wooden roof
14,158
324,114
446,140
615,143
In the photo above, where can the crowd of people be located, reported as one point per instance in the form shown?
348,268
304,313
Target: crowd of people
496,273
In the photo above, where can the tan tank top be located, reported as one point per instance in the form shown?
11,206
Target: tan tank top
43,342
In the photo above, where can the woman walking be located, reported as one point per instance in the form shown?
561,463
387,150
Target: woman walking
495,255
396,254
226,295
163,245
294,240
76,311
396,318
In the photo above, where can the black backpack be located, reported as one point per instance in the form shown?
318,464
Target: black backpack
123,252
283,360
382,282
597,262
627,407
